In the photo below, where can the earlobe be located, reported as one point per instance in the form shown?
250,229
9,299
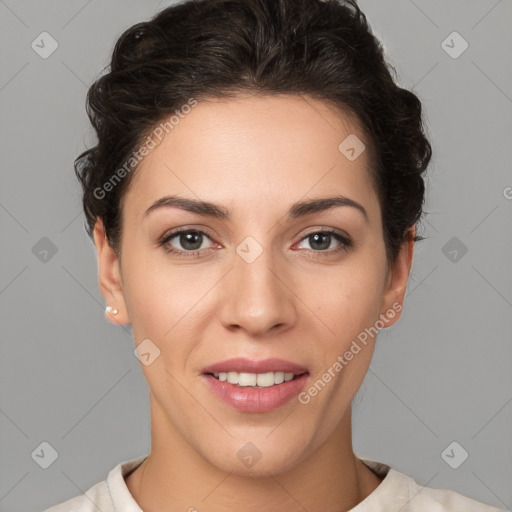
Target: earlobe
397,278
109,277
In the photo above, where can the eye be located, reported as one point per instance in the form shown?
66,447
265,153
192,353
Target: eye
190,241
320,241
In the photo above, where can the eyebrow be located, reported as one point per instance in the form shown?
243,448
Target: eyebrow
299,209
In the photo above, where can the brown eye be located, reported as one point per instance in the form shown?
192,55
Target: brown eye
321,241
187,242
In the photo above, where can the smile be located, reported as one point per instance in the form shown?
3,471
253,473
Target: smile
259,380
255,386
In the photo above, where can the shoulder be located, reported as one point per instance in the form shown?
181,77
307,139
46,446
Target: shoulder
444,500
398,491
96,499
110,495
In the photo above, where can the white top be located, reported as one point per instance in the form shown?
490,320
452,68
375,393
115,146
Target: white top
397,492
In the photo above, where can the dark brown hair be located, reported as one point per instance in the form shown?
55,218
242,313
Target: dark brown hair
219,48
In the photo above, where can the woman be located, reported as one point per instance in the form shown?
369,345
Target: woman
253,199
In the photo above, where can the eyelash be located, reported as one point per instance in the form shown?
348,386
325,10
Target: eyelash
346,243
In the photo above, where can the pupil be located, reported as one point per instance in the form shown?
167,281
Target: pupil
187,242
326,238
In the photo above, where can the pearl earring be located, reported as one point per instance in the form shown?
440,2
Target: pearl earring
112,310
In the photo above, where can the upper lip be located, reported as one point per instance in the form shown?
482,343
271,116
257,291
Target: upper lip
244,365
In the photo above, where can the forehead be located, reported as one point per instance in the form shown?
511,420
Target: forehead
269,150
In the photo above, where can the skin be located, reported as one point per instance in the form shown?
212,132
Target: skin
254,156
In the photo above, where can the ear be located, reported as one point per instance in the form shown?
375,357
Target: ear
110,276
396,283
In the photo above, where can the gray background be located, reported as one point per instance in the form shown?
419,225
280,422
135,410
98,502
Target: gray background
442,374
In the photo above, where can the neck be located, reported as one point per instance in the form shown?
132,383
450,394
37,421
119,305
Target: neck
175,477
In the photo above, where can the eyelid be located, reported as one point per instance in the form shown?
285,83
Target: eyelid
345,241
327,229
176,231
168,235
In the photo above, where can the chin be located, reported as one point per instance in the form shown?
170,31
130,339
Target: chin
246,459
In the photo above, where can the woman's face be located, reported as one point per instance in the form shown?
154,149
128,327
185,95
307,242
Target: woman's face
262,281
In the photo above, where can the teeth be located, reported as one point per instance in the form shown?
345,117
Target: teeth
262,380
279,377
232,377
266,379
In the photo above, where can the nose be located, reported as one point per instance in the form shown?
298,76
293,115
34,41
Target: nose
257,297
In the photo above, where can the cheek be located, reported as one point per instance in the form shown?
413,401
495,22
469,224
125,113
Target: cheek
351,301
166,305
147,283
350,306
153,296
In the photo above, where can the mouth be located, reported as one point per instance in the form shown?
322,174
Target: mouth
249,372
256,380
255,386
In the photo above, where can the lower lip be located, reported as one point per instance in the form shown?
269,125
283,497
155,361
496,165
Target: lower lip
250,399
